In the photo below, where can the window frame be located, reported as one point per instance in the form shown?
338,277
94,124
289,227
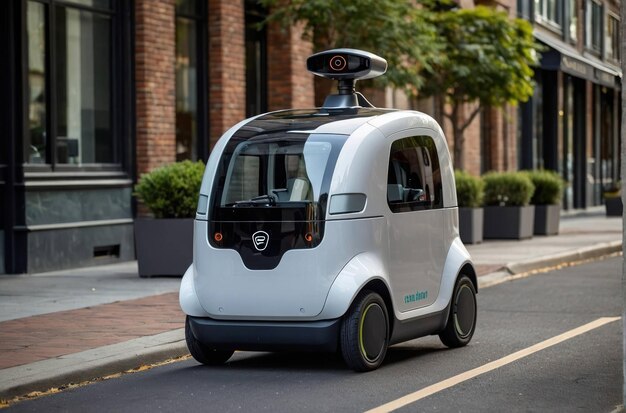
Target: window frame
591,29
571,11
541,11
525,9
615,54
121,95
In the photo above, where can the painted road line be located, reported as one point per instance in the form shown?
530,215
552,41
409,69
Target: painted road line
453,381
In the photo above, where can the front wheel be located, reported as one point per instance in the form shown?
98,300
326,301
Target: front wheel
364,334
462,319
202,353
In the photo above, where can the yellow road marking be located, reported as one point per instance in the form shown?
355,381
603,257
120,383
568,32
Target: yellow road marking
453,381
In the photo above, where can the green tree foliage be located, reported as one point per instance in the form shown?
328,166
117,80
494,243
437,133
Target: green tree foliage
487,58
171,191
394,29
433,48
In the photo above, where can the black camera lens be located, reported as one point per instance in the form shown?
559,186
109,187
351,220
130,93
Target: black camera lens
338,63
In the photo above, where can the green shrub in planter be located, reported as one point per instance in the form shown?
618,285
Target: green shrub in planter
172,191
507,189
469,190
548,187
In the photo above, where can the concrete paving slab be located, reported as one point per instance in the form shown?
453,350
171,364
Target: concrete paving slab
32,294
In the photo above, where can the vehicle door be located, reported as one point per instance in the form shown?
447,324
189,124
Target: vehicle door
416,221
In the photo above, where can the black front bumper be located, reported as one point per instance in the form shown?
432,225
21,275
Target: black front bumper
265,335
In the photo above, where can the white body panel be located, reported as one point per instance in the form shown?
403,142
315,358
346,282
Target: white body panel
296,289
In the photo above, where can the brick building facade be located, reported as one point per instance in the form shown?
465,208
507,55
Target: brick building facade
98,92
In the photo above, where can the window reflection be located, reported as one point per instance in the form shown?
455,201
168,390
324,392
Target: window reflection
186,89
573,20
103,4
83,87
35,142
612,38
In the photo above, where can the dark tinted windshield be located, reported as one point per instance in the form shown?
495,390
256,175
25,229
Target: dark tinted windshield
283,170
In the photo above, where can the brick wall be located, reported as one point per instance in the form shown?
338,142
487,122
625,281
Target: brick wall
227,81
289,84
155,83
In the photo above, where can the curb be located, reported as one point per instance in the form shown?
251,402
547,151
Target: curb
512,271
91,364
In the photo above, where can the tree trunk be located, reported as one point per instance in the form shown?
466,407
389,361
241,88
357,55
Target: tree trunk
458,130
459,139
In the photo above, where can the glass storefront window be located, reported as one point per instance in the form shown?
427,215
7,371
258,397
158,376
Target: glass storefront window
35,142
83,87
69,81
573,20
548,11
612,38
191,82
593,26
187,7
523,9
101,4
256,59
186,90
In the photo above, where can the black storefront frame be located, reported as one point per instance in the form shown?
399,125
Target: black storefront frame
14,172
557,66
121,90
11,116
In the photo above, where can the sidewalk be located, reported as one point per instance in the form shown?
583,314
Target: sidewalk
77,325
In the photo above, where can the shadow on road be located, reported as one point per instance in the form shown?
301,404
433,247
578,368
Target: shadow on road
302,361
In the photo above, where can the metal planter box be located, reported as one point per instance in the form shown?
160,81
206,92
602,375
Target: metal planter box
613,207
509,222
471,225
547,219
163,246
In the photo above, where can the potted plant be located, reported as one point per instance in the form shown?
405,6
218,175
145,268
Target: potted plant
547,201
164,242
508,214
613,200
469,195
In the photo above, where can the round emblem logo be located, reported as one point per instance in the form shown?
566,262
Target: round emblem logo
260,240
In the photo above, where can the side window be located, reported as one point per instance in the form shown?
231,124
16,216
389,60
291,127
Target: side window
414,177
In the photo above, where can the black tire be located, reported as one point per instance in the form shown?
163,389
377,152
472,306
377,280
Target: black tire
364,334
202,353
462,319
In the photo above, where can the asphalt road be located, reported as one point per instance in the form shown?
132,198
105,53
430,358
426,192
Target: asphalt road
581,373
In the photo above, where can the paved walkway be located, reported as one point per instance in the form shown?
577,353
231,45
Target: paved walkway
41,337
76,325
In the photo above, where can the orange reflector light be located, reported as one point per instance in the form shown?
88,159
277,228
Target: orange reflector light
218,236
308,237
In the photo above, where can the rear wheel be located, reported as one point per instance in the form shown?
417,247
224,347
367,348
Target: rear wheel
462,319
364,334
204,354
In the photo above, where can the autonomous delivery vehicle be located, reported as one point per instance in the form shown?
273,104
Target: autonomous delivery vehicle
330,229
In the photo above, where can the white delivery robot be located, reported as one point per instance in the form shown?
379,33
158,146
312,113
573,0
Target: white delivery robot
329,229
